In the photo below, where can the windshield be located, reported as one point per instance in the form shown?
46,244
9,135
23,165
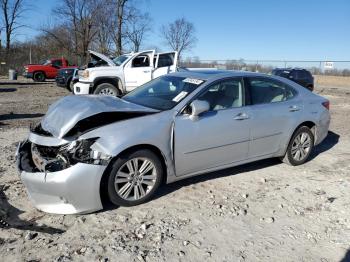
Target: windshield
120,59
163,93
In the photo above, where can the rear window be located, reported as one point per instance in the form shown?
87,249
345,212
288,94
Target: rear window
282,73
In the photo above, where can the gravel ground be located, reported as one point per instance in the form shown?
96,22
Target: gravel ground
265,211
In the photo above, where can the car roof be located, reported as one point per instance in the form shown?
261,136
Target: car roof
290,69
208,74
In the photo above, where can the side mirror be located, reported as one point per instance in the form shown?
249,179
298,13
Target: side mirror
198,107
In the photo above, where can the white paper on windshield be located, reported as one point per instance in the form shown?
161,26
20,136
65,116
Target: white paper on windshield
193,81
180,96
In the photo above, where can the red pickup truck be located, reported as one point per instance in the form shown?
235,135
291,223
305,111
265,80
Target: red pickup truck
47,70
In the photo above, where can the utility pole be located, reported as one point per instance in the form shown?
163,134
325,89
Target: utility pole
30,54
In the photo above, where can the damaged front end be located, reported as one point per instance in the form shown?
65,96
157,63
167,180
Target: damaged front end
56,158
59,173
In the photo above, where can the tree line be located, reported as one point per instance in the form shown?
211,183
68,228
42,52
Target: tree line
112,27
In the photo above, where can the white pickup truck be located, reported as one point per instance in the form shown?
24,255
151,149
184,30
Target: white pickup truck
124,73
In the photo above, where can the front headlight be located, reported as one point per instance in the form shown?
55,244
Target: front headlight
85,74
82,152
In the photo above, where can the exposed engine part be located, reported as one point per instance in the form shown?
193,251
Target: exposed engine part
52,159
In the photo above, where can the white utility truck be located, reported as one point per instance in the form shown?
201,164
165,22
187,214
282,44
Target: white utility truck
122,74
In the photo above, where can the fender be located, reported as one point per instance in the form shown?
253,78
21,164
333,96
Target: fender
116,81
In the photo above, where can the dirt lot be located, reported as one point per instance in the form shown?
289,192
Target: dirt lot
266,211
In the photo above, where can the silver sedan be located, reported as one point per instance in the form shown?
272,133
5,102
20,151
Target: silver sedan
176,126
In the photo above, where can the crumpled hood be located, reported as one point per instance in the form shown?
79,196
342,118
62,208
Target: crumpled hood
64,114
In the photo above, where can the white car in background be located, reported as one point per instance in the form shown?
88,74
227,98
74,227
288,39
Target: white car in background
124,73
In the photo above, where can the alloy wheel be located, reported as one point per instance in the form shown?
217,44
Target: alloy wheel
301,146
107,92
135,179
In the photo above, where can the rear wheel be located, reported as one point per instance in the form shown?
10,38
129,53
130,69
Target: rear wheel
39,77
300,147
134,178
106,89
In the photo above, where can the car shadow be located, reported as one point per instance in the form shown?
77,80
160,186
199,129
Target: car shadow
329,142
169,188
25,83
9,218
7,90
19,116
346,257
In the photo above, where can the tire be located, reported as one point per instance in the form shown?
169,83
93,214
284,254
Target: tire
310,87
106,89
69,84
298,153
39,77
125,189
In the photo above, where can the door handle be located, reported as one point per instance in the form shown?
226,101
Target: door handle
146,71
241,116
294,108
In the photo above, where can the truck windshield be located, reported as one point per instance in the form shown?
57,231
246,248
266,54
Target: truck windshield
47,62
163,93
120,59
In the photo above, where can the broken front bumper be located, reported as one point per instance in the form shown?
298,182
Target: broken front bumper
73,190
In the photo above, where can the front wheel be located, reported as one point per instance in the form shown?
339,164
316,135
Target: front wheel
134,178
106,89
300,147
39,77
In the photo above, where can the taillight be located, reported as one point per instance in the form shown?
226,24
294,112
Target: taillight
326,104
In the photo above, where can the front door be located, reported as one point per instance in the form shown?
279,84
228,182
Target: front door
138,70
218,137
51,71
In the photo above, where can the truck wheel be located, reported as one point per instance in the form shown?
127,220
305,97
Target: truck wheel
39,77
106,89
69,84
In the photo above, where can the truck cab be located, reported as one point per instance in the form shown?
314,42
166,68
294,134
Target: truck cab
124,73
45,70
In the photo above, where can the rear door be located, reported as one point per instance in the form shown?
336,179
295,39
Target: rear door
165,63
138,70
274,109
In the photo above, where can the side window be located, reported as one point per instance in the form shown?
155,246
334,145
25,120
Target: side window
294,74
166,60
57,63
141,61
264,91
301,74
224,95
307,74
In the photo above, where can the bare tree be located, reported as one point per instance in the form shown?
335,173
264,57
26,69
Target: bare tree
117,27
104,38
179,35
80,17
137,26
12,11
